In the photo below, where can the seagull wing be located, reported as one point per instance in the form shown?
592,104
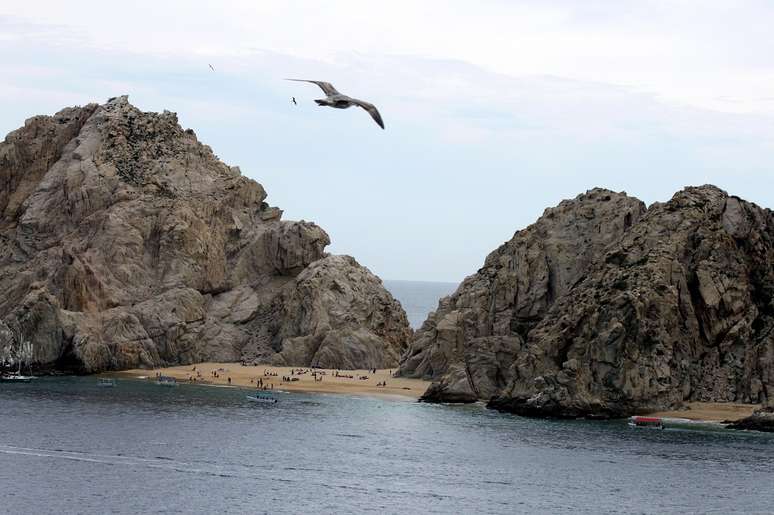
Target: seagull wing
371,110
327,87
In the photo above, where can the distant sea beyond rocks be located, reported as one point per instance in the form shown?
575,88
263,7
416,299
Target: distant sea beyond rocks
419,298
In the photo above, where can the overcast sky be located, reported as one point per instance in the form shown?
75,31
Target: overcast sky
494,109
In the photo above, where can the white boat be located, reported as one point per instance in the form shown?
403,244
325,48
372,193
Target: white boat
15,378
106,382
263,398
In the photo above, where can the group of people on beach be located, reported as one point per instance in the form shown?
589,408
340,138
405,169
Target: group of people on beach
261,384
194,378
304,371
316,374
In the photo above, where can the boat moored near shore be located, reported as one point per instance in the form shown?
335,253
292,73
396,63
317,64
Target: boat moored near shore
647,422
167,381
262,398
15,378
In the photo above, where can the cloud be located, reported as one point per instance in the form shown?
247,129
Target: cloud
696,53
480,137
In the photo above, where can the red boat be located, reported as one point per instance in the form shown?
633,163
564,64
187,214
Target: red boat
649,422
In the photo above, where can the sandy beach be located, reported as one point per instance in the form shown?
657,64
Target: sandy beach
302,379
711,411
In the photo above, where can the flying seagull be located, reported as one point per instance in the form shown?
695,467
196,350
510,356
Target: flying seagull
293,99
211,68
335,99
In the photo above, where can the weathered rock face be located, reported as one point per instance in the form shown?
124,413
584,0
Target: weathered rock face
468,345
345,316
125,242
604,309
681,308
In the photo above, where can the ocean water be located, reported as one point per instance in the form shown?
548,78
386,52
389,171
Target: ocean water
419,298
68,446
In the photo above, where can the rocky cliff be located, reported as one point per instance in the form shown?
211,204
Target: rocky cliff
125,242
658,307
468,345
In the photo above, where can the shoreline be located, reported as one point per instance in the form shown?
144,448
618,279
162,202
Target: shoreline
710,412
302,379
396,388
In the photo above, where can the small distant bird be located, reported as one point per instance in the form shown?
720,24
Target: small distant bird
211,67
335,99
294,100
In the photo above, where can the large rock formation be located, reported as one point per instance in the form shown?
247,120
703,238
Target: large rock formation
678,304
680,309
125,242
468,345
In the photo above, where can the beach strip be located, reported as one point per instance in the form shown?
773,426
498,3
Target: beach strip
292,379
710,411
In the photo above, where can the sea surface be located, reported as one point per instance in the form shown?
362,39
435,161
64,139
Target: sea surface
419,298
68,446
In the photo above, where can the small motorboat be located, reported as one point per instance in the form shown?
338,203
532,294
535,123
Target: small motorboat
647,422
264,398
15,378
106,382
166,381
